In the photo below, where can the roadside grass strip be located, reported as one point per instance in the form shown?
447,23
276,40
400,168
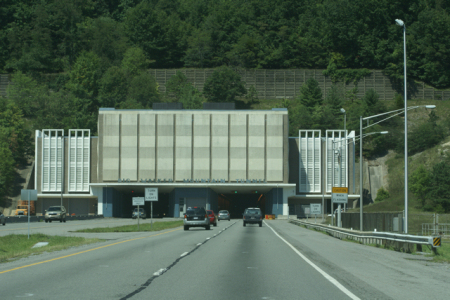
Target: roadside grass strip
157,226
15,246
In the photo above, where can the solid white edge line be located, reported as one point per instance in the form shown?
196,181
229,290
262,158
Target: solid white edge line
184,254
323,273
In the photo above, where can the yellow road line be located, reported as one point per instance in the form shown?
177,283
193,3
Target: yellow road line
70,255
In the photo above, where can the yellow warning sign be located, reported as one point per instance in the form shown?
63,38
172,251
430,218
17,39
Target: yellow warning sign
339,190
436,241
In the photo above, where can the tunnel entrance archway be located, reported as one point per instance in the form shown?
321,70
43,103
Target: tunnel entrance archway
237,203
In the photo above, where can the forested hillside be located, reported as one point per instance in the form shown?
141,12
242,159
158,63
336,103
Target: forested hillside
48,35
67,58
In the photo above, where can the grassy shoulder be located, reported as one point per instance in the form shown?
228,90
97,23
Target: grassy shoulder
15,246
157,226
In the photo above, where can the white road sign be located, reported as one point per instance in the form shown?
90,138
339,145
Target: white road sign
339,195
151,194
138,201
315,208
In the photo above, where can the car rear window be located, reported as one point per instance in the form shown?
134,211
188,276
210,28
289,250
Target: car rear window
223,212
210,212
253,211
195,210
54,208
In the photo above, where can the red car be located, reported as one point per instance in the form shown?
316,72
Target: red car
212,217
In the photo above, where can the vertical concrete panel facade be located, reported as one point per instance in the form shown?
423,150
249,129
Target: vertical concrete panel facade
256,147
110,149
147,146
183,147
219,146
128,146
201,155
165,145
238,147
275,148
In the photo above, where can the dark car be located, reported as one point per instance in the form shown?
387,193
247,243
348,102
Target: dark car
223,215
141,213
2,219
196,217
253,216
212,217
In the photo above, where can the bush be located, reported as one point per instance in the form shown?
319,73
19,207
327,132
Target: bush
224,85
382,194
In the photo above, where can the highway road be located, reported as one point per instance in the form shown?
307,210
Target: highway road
277,261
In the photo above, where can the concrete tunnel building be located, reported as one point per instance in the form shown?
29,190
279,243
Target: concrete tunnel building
220,159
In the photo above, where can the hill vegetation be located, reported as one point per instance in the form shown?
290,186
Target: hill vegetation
68,58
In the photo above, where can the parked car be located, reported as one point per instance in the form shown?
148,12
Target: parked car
55,213
252,215
2,219
196,217
223,215
212,217
142,214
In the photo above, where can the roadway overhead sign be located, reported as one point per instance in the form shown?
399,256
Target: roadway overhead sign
339,194
151,194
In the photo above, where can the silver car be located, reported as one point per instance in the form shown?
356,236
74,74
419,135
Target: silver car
223,215
57,213
196,217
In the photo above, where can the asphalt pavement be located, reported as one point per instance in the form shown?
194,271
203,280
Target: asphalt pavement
277,261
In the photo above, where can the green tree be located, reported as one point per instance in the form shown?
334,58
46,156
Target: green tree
25,93
13,130
310,94
85,76
224,85
158,33
57,110
176,84
143,89
106,38
113,87
334,98
419,183
7,164
425,135
134,61
439,187
191,97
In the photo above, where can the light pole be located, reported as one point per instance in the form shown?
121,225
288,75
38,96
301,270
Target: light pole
345,117
345,132
397,112
62,168
401,23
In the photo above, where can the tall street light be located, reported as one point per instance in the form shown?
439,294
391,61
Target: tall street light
395,113
401,23
340,171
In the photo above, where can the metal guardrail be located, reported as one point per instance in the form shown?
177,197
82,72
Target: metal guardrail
366,237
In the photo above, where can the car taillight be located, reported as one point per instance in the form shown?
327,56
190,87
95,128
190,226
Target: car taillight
185,216
206,216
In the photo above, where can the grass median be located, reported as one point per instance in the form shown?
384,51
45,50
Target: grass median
157,226
15,246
